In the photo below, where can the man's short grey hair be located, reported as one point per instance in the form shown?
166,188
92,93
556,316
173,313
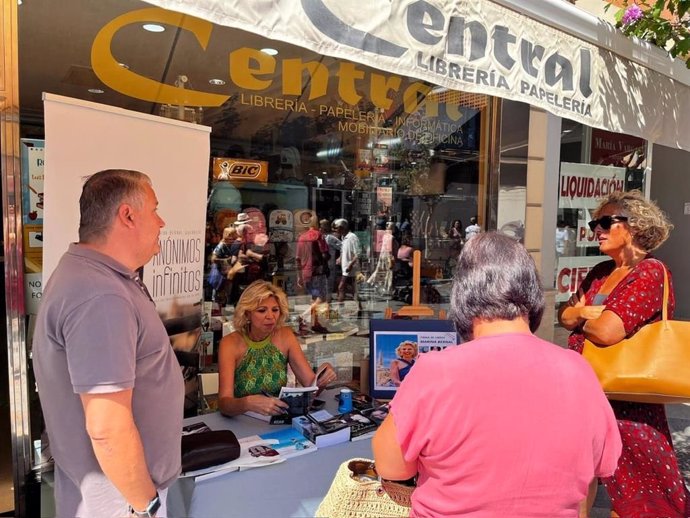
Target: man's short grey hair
495,279
101,197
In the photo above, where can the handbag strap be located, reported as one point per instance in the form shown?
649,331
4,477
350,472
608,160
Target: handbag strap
667,289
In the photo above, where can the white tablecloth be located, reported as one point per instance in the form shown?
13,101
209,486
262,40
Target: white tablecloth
292,488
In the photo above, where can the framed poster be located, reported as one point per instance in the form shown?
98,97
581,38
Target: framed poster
395,345
33,161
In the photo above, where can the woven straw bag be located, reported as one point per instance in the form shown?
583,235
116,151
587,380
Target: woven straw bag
355,493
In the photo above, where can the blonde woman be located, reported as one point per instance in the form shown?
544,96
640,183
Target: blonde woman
617,298
406,354
253,359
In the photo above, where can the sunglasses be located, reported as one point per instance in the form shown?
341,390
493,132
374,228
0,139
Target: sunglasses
605,222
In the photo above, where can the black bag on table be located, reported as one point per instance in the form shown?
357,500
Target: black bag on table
205,449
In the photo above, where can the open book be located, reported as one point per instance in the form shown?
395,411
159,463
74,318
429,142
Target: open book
299,400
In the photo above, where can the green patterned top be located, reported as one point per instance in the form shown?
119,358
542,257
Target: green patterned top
263,368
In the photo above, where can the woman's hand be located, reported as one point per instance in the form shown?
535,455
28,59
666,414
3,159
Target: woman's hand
327,377
591,312
266,405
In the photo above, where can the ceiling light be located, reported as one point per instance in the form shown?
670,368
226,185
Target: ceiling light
270,52
217,82
96,91
153,27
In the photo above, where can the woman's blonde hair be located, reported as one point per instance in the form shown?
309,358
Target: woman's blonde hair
406,343
252,297
648,224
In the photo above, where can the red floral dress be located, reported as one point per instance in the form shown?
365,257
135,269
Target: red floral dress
648,482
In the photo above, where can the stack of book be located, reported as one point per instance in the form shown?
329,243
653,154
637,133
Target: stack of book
325,429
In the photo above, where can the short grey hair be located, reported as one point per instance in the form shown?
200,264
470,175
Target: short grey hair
341,223
101,197
495,279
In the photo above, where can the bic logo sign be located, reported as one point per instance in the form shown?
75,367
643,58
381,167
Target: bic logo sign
243,170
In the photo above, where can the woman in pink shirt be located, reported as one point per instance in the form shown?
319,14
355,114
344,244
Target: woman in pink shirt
492,428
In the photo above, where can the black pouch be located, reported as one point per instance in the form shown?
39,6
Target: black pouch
205,449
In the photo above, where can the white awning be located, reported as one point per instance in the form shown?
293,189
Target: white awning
481,46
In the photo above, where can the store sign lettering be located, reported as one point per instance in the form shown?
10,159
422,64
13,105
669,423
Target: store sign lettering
428,25
251,70
570,278
588,187
571,271
243,170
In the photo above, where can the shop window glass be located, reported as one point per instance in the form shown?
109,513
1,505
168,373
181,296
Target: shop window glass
295,135
593,162
379,150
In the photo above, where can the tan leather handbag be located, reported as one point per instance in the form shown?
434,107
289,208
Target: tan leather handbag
652,366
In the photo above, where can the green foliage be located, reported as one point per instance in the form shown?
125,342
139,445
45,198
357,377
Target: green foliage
654,24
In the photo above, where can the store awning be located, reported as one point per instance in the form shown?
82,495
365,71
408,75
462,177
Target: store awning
478,46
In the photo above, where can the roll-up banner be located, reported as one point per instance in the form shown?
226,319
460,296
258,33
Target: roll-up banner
469,45
83,138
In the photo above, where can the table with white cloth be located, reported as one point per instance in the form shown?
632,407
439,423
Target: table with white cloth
294,487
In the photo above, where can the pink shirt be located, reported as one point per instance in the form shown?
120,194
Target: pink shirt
507,425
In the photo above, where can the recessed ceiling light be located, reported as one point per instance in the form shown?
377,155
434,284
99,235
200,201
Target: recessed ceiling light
217,82
153,27
96,91
270,52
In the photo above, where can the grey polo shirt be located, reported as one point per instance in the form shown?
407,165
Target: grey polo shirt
97,331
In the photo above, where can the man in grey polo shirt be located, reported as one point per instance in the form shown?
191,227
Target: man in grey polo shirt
109,383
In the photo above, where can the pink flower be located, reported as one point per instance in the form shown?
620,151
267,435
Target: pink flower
632,14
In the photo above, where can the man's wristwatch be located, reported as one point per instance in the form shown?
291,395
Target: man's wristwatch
150,510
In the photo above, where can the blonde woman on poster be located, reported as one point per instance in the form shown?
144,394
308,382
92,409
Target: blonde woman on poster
406,353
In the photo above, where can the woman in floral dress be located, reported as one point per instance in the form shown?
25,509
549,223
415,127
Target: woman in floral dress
615,300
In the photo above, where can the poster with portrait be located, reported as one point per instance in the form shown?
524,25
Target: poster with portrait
175,155
395,346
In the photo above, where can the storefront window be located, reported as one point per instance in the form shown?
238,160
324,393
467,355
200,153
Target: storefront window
378,150
593,163
297,137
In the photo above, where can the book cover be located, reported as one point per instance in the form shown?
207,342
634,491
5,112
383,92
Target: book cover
288,442
323,434
270,419
298,399
195,428
377,414
361,427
